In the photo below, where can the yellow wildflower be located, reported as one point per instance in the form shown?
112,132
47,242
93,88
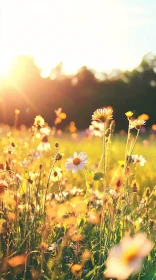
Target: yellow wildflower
129,114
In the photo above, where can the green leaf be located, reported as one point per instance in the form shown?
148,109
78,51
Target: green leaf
50,263
98,176
46,278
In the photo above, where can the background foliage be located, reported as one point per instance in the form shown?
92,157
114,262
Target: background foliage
79,94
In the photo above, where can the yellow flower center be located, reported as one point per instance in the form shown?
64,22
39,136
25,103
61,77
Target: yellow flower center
129,255
76,161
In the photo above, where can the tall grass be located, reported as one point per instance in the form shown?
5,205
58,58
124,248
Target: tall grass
55,224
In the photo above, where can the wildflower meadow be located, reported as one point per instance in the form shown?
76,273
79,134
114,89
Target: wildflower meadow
78,204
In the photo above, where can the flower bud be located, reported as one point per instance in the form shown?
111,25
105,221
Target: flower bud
56,145
58,156
134,187
148,192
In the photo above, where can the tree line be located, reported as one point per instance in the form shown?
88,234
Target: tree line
79,95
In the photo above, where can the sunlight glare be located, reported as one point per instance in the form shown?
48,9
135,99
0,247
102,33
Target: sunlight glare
6,62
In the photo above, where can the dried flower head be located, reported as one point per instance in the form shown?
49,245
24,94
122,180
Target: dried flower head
148,192
59,156
134,187
102,114
56,145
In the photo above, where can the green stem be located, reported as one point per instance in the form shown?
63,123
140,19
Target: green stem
37,190
48,185
126,150
25,270
127,161
139,275
104,156
135,141
42,262
104,181
104,150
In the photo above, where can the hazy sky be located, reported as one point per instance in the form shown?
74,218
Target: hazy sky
101,34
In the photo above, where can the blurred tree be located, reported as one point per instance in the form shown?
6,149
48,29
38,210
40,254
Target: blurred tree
79,95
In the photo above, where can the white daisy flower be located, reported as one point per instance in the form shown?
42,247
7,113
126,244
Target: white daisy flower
113,193
24,163
53,247
61,197
9,150
136,123
96,128
76,191
127,257
18,178
35,155
44,145
76,162
138,159
56,175
45,130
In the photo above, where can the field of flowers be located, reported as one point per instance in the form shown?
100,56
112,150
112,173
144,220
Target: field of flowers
77,205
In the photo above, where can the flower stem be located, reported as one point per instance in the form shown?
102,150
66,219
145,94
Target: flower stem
135,141
48,184
132,149
104,155
126,150
104,182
